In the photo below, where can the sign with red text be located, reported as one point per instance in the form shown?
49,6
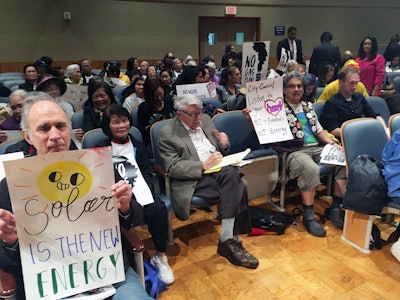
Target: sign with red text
255,61
265,98
67,222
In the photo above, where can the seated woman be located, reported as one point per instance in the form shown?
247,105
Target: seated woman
116,123
166,80
100,97
155,108
17,99
31,78
230,82
326,75
73,74
135,98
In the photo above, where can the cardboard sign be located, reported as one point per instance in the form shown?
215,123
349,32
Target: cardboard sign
76,95
255,61
265,98
67,222
283,61
201,90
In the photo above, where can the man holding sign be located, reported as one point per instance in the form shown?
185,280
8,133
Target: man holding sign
46,126
304,153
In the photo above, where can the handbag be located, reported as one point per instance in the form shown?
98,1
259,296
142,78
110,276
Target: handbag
154,286
273,221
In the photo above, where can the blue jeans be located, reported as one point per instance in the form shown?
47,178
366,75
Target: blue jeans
131,288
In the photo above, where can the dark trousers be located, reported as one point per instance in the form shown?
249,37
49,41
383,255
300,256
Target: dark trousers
227,186
156,218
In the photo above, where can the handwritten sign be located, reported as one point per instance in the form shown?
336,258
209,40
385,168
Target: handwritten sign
76,95
67,222
255,61
265,98
201,90
283,60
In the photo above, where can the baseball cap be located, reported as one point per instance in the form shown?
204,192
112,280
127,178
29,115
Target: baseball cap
40,63
351,63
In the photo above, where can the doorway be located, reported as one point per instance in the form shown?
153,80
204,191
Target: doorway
217,32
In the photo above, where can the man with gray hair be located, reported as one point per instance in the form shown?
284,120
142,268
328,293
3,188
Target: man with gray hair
189,145
45,125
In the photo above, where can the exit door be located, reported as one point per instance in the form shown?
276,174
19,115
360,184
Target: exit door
217,32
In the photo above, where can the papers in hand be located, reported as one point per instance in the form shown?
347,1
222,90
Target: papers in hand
332,155
229,160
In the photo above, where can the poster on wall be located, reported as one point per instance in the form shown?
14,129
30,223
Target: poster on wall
67,222
265,99
255,61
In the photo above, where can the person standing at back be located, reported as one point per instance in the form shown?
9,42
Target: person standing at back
325,53
372,66
292,45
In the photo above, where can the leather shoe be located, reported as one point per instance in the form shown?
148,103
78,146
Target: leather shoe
252,260
232,252
314,227
335,215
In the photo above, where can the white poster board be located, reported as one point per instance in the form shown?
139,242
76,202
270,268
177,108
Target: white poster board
201,90
265,99
255,61
67,222
76,95
283,61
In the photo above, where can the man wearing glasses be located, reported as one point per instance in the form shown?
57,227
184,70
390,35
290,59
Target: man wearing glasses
189,145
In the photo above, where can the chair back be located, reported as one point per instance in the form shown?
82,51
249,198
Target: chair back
77,120
134,115
96,137
394,123
390,76
363,136
13,82
240,133
231,102
318,108
154,133
118,91
5,100
4,145
319,92
379,105
213,101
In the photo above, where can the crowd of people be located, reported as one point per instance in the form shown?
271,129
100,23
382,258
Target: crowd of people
189,143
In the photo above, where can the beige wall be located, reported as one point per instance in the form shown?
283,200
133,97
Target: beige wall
106,29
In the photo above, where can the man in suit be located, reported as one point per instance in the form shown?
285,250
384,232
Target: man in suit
189,145
323,54
292,45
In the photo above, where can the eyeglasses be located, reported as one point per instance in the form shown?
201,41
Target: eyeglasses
193,114
293,86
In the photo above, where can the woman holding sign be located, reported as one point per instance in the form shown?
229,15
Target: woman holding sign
116,124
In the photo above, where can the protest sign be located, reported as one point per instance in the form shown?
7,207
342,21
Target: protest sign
265,98
67,222
76,95
255,61
201,90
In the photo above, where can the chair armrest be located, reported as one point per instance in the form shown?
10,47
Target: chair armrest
136,244
8,285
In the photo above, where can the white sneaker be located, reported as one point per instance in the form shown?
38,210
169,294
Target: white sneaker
161,262
395,249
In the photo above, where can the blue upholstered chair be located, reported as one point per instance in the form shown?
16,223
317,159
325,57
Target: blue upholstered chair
77,120
394,123
362,136
380,106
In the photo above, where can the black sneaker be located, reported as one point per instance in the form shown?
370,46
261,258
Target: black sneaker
335,215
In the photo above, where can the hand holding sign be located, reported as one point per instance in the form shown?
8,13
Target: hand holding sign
8,230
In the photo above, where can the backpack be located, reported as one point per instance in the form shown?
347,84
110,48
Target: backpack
270,220
366,188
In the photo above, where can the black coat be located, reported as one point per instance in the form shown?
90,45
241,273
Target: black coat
326,53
